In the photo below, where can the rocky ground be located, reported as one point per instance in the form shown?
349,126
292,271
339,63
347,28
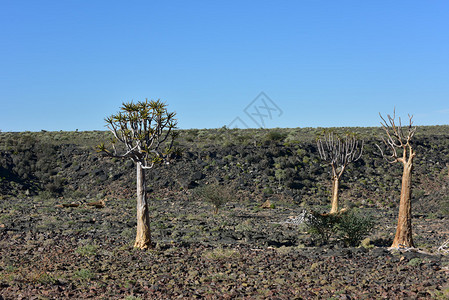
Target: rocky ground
49,251
54,245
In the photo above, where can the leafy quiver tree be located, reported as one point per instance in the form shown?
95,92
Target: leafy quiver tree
338,152
397,141
145,129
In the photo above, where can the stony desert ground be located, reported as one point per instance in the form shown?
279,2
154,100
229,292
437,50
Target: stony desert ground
54,245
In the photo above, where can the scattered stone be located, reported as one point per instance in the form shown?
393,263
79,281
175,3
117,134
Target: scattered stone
98,204
73,204
266,204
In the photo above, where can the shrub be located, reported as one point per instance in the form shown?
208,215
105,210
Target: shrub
213,193
87,250
350,226
268,191
43,278
221,254
280,175
414,262
275,136
353,227
321,226
84,274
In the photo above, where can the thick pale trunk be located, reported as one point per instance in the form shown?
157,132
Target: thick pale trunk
335,185
403,237
143,236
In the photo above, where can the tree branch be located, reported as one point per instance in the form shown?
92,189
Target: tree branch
397,137
140,128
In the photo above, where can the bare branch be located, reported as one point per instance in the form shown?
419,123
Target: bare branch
396,137
339,152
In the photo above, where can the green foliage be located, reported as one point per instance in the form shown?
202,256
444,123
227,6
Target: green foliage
414,262
418,194
145,128
87,250
84,274
44,278
280,175
268,191
353,227
215,194
322,226
275,136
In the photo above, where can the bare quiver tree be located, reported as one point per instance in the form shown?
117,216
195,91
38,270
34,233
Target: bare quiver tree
338,152
145,129
397,141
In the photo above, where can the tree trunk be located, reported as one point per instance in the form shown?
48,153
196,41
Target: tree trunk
143,236
403,237
335,185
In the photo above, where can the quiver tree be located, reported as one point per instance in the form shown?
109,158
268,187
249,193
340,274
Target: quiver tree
397,141
145,129
338,152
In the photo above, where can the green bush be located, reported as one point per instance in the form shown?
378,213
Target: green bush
84,275
87,250
414,262
268,191
213,193
353,227
275,136
321,226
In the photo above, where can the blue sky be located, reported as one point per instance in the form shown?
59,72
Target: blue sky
65,65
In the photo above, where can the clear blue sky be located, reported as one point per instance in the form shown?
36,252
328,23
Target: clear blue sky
65,65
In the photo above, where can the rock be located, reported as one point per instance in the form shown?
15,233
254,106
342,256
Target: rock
380,252
197,176
266,204
188,184
366,243
97,204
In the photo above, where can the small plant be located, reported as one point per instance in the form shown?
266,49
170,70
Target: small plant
414,262
221,254
349,226
84,275
275,136
280,175
321,226
43,278
353,227
87,250
10,269
268,191
215,194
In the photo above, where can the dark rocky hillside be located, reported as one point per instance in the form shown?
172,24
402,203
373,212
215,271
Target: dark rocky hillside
259,164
